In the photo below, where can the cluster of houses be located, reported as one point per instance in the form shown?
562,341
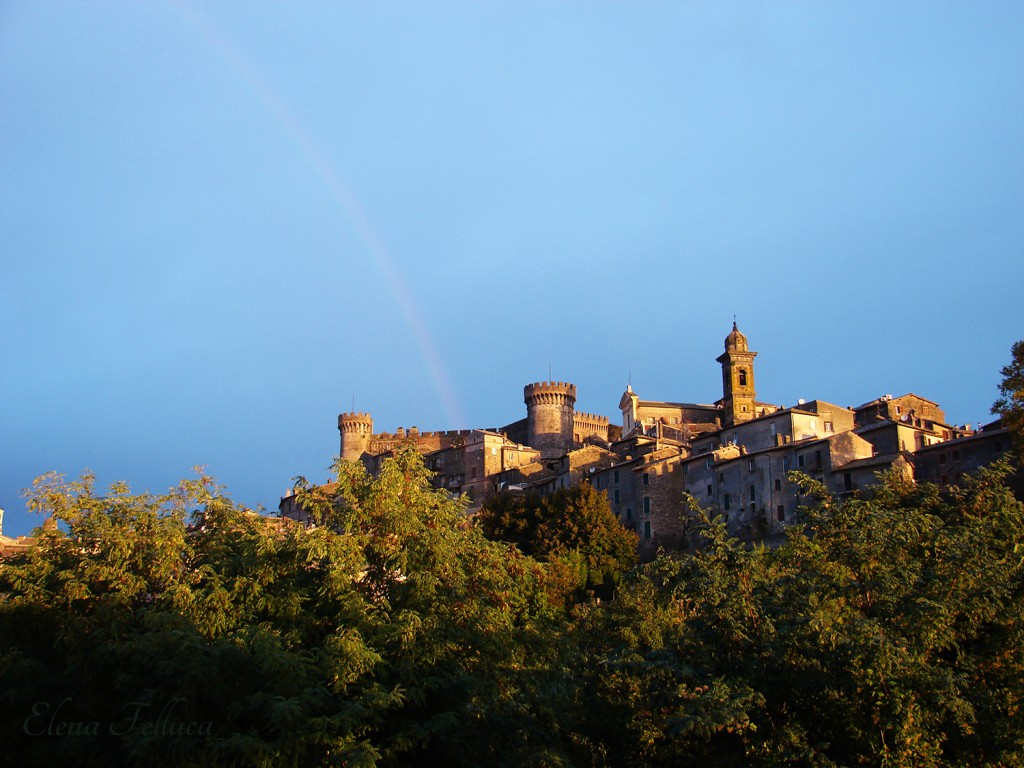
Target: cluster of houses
733,457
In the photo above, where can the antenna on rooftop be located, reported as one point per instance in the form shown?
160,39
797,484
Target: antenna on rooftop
549,371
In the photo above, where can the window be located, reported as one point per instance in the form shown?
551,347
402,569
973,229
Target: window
647,529
647,478
721,477
956,454
647,505
800,460
616,495
629,513
726,500
750,465
847,481
942,458
778,484
780,513
686,469
829,427
785,463
709,491
707,462
472,473
616,476
753,493
743,379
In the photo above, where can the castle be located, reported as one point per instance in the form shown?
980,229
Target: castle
733,456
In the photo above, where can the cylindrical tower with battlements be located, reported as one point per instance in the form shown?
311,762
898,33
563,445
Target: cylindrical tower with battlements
549,416
356,429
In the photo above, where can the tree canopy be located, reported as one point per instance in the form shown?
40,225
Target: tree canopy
1010,405
573,526
182,629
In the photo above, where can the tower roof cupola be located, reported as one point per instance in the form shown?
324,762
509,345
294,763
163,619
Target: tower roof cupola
735,341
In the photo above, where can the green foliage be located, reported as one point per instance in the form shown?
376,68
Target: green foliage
885,632
181,629
395,634
1010,405
574,527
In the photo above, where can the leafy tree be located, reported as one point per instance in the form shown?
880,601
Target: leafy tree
885,632
394,635
574,527
1010,405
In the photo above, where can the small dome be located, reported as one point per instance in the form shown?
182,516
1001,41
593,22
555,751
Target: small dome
735,341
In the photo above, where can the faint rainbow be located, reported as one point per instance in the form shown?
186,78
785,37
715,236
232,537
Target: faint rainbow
349,205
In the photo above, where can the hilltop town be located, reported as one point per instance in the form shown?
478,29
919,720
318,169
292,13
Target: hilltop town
732,456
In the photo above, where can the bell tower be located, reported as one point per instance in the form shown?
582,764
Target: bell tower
737,379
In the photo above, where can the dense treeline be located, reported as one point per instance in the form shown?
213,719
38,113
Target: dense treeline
183,630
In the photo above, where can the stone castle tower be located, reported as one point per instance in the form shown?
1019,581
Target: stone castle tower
737,379
356,430
550,406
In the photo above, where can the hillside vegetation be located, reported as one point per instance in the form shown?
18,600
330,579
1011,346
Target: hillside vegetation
183,630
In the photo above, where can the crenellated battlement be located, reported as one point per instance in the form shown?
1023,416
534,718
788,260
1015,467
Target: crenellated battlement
590,417
413,433
554,388
355,423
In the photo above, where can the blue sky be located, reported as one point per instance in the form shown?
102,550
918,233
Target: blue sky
221,224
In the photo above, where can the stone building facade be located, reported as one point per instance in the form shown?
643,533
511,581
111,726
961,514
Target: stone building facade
732,457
